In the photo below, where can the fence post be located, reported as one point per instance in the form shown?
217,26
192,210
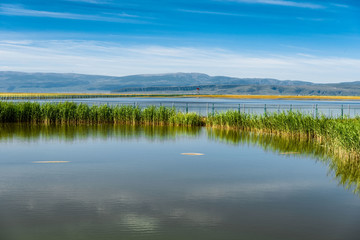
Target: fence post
213,109
187,108
265,109
316,110
290,107
342,111
239,108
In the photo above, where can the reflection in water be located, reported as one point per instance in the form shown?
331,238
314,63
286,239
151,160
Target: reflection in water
346,170
32,132
136,189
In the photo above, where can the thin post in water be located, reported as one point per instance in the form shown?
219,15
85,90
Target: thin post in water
265,109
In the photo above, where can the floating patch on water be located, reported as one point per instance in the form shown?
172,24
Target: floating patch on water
290,153
51,161
193,154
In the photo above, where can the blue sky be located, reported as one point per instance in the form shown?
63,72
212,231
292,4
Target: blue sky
311,40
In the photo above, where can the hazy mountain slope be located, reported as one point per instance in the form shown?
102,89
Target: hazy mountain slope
55,82
167,83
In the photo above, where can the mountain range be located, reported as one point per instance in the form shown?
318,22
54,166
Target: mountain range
172,83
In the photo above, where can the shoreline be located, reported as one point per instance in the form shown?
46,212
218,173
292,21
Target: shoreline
339,137
340,132
10,96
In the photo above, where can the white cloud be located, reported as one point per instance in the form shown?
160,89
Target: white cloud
282,3
217,13
264,16
91,57
16,10
340,5
92,1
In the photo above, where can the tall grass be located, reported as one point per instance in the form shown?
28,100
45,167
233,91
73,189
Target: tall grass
336,133
338,137
72,113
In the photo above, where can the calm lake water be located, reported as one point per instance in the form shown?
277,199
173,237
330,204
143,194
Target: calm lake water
204,106
134,183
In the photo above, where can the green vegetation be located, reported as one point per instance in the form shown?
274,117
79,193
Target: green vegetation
335,133
72,113
341,135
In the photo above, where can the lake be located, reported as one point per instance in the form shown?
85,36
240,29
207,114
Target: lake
126,182
204,106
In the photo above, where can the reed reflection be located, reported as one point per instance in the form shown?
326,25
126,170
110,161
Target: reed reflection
344,167
33,132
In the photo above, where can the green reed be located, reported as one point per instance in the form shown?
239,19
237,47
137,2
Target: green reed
338,137
72,113
335,133
343,133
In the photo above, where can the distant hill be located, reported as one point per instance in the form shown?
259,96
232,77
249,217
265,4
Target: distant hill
166,83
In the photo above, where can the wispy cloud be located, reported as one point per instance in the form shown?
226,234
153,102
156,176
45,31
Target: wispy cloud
282,3
16,10
214,13
113,59
340,5
92,1
264,16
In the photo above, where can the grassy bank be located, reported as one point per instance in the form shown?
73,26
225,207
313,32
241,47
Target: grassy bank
338,134
72,113
286,132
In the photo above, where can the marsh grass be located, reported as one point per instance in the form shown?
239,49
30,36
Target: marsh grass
340,135
72,113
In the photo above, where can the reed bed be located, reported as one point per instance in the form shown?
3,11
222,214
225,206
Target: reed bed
335,137
339,134
72,113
